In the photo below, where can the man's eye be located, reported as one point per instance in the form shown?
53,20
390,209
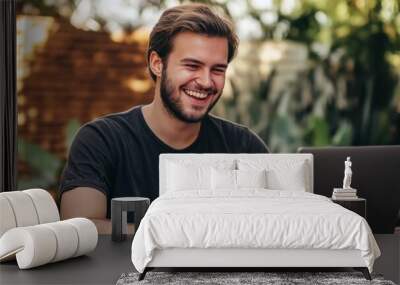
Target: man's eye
191,66
219,71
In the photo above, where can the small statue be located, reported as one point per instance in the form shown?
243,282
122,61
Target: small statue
347,174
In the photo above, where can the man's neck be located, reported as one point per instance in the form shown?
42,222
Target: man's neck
166,127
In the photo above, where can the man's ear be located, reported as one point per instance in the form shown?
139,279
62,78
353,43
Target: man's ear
156,64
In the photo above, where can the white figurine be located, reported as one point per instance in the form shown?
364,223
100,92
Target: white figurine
347,174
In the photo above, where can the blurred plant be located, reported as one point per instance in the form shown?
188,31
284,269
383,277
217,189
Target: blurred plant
45,166
348,91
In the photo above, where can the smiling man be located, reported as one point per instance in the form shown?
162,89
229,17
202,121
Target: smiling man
117,155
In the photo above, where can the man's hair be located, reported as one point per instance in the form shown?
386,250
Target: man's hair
196,18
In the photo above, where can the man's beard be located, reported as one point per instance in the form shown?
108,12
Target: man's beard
174,106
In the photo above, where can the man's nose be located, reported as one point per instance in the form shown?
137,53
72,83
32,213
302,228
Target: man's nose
205,80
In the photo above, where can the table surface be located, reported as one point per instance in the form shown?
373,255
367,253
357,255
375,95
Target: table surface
110,259
130,199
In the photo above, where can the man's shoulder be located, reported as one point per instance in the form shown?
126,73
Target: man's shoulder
114,121
226,125
108,128
128,115
241,138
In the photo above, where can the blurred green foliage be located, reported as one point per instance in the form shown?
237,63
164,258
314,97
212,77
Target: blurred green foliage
45,166
349,94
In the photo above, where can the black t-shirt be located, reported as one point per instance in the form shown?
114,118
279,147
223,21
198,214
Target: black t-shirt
118,154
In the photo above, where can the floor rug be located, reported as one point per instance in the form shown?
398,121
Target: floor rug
243,278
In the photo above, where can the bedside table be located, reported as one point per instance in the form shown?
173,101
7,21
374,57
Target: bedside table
357,205
119,208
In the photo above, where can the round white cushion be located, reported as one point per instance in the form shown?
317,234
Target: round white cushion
7,218
45,243
45,205
66,238
23,208
26,208
87,234
33,246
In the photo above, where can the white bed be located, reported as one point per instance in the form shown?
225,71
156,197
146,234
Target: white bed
203,221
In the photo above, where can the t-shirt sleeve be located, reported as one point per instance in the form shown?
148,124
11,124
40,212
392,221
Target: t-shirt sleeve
255,143
89,161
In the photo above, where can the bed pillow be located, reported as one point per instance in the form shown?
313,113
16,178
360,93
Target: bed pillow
251,178
204,162
282,174
293,180
181,177
187,174
223,179
231,180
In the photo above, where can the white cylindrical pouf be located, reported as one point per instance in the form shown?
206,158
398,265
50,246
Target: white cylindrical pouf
45,205
23,208
7,218
67,239
87,234
40,244
34,246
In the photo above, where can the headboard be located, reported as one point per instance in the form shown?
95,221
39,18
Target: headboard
209,157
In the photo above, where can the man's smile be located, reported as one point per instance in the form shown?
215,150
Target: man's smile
201,95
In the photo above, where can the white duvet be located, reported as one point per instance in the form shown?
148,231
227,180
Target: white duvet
252,218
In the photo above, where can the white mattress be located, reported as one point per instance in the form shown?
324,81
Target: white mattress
253,218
